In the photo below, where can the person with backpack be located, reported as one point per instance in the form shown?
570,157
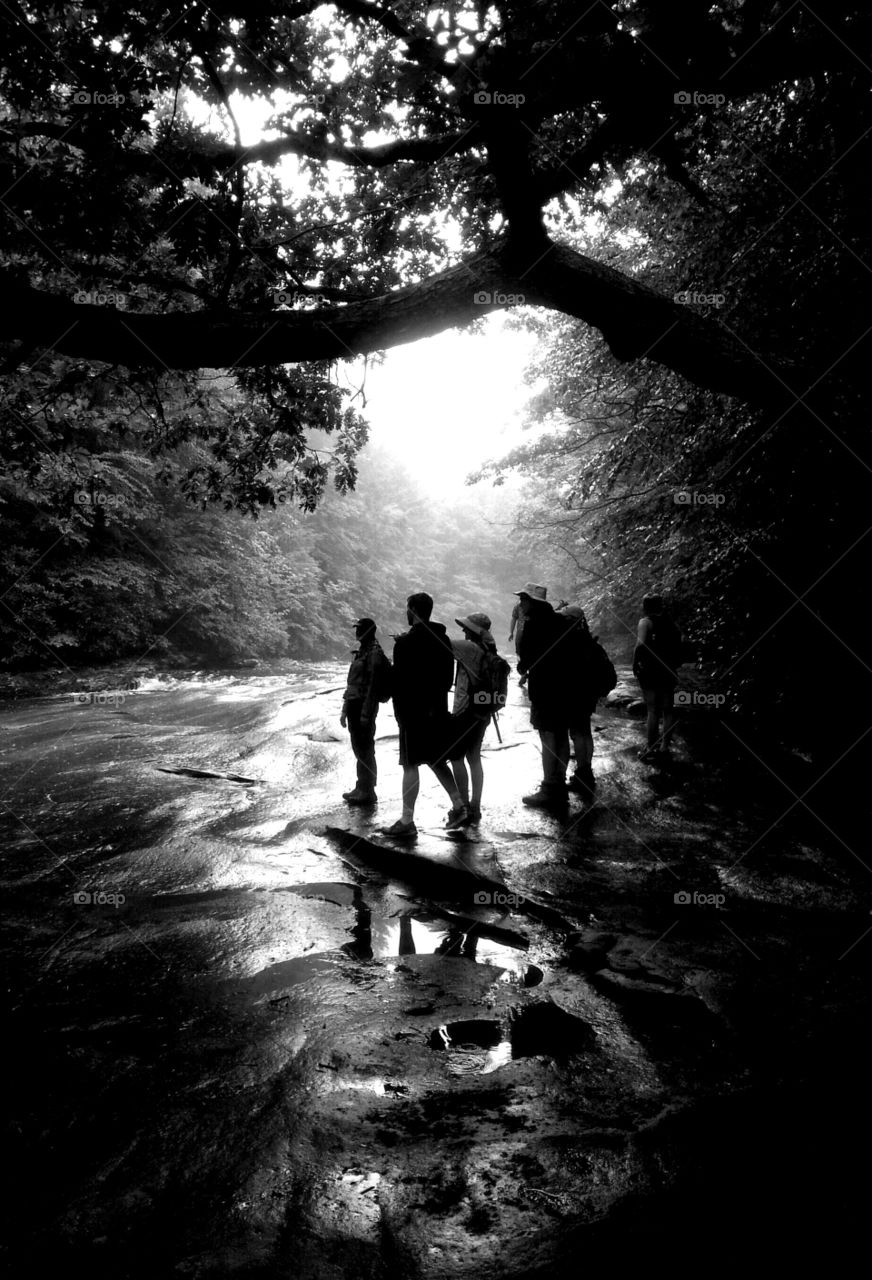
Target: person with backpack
369,683
592,676
656,658
423,673
479,694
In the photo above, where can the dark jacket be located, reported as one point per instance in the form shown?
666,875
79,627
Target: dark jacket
557,655
423,672
366,676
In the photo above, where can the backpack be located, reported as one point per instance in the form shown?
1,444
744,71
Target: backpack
382,677
666,645
489,688
604,677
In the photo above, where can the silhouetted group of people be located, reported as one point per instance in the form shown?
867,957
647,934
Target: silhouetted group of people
563,666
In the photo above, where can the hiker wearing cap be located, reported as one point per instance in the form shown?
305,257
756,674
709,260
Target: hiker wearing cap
368,684
423,673
470,718
546,656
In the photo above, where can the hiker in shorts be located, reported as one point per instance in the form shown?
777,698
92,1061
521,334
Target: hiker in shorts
470,717
368,684
656,658
423,673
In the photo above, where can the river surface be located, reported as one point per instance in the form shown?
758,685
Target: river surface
250,1036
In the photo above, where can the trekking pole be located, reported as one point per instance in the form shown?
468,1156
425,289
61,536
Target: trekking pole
496,726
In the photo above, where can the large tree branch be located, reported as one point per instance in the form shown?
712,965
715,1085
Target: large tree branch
635,320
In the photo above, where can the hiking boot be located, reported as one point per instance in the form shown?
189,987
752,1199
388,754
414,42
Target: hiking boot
360,797
401,830
473,815
347,794
549,796
583,782
457,817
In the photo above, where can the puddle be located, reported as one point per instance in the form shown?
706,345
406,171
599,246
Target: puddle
481,1045
411,935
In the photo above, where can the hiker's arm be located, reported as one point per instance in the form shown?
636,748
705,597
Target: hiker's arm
642,635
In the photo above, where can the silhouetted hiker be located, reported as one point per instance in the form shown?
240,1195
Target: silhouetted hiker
423,673
471,715
515,631
544,658
590,676
369,683
656,659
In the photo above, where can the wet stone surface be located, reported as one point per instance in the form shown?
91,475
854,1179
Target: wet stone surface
252,1036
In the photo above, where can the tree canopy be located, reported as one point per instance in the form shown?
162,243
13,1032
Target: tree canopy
421,164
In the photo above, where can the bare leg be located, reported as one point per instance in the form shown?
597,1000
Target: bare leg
476,771
461,778
411,786
446,777
555,755
653,726
582,740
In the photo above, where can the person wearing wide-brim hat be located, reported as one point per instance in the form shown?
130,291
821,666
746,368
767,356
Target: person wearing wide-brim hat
470,719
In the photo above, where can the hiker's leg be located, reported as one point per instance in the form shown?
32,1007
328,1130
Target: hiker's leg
668,717
411,786
461,778
653,726
476,770
555,755
582,740
446,777
363,745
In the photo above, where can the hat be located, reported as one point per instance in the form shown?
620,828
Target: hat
366,624
574,611
533,590
479,623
